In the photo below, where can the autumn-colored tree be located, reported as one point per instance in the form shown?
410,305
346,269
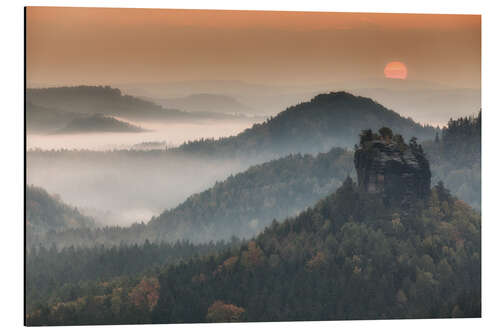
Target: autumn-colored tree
145,294
253,256
220,312
316,262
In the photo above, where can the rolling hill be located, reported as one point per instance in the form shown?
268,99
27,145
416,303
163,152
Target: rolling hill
241,206
327,120
205,103
244,204
40,119
98,99
247,202
349,257
97,123
388,247
47,214
455,158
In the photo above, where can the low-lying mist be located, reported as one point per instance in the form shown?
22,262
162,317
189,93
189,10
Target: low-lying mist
173,134
126,186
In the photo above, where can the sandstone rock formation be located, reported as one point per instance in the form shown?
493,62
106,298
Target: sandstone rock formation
386,165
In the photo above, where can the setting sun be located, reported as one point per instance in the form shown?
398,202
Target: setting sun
395,70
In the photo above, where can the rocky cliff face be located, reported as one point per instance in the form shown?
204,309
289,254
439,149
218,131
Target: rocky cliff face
397,171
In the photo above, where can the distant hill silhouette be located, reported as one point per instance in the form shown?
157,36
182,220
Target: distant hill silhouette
327,120
100,99
41,119
63,103
205,103
97,123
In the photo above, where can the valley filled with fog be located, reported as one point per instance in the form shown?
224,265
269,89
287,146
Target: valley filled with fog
120,177
163,134
123,187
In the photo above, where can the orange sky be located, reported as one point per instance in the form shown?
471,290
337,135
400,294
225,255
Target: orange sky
106,46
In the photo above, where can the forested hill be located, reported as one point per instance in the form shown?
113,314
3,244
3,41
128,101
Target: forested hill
327,120
456,158
46,213
349,257
42,119
98,123
99,99
242,205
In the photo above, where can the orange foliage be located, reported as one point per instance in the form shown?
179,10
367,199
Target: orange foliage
146,293
253,256
220,312
317,261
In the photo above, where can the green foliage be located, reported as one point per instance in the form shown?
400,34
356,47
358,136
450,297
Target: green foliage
54,276
246,203
349,257
345,260
456,159
46,214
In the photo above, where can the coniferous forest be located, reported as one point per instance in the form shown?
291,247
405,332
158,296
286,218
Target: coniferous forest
316,236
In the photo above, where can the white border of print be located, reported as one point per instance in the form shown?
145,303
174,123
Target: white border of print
12,168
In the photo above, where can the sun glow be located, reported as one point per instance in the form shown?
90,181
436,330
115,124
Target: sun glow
395,70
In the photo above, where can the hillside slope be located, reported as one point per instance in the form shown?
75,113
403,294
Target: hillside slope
98,123
241,206
48,214
349,257
363,252
327,120
40,119
246,203
456,158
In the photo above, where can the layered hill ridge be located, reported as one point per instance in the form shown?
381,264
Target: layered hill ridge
246,203
99,99
261,192
327,120
204,102
68,102
351,256
241,206
98,123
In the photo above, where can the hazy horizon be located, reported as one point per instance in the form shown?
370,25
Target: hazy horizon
266,60
120,46
257,63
